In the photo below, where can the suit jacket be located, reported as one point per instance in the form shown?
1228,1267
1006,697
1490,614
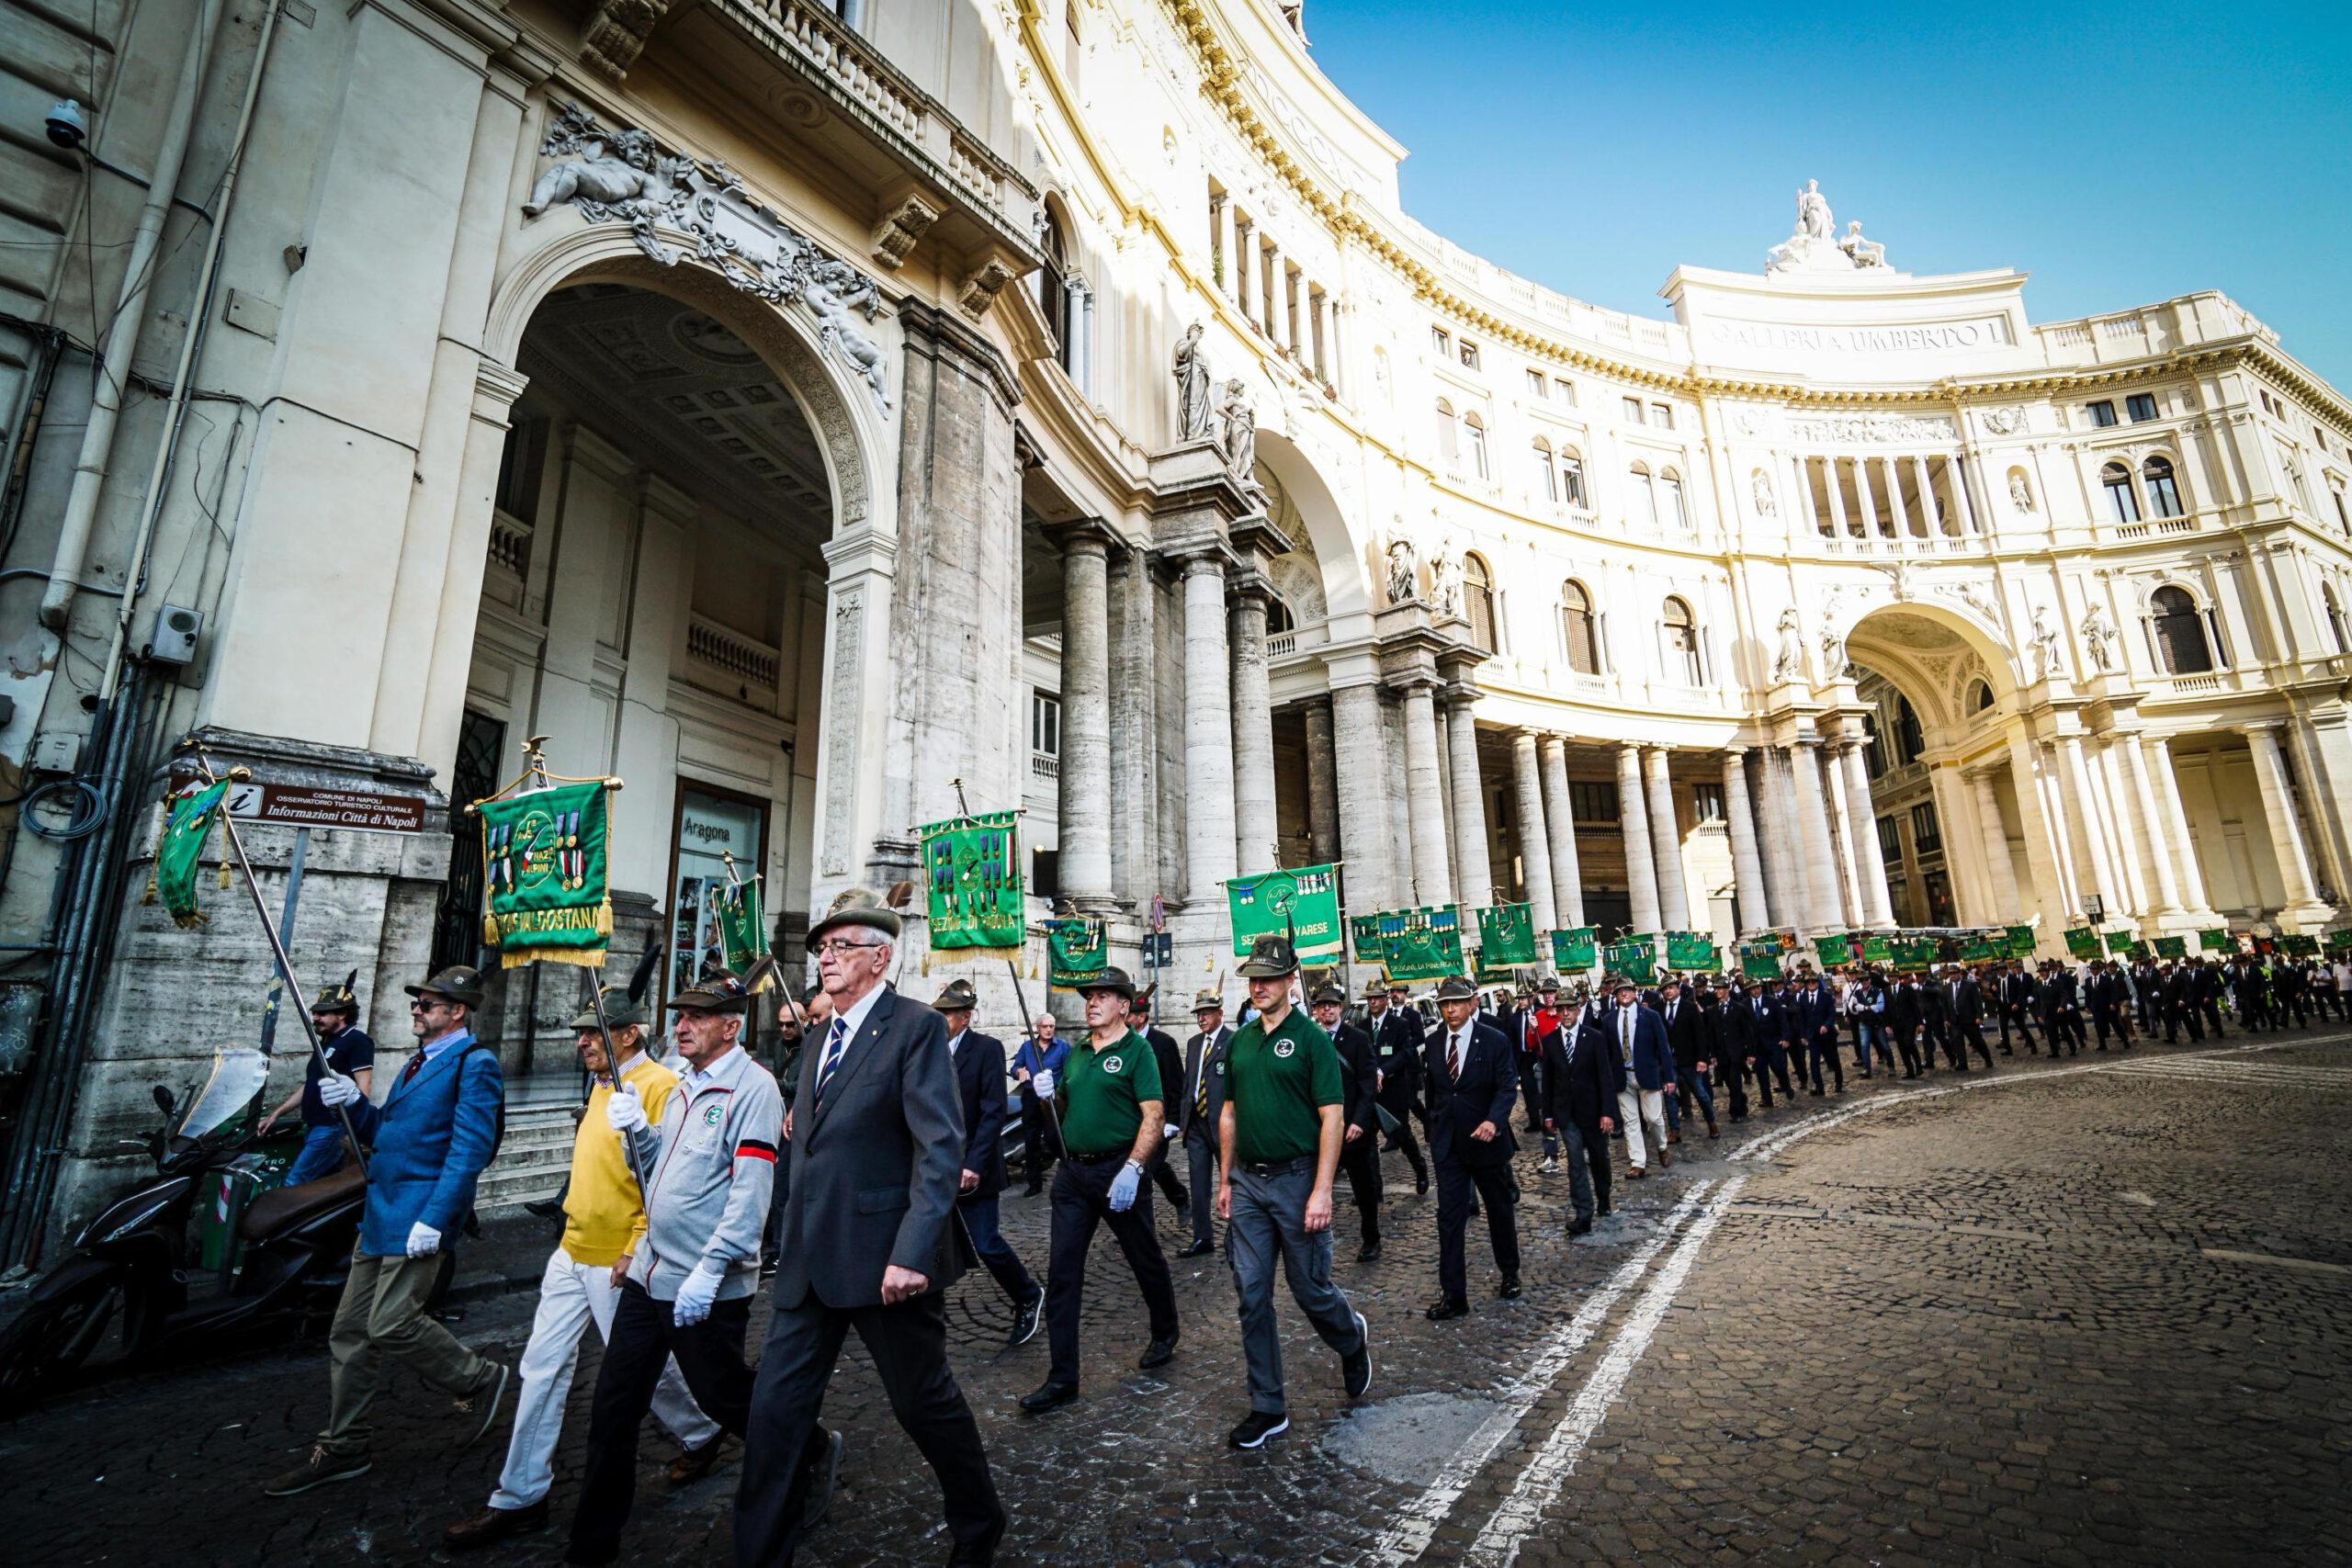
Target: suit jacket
1399,1039
1581,1077
2019,990
1653,1052
875,1164
1687,1034
979,1088
1806,1016
1488,1085
1751,1023
1167,1059
427,1144
1359,1066
2061,994
1906,1011
1211,1047
1965,1008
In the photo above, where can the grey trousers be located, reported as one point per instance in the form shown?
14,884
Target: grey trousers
1270,1219
1200,1158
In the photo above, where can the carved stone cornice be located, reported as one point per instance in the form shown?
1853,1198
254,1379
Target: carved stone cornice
616,33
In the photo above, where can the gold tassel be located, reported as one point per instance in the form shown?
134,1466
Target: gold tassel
490,930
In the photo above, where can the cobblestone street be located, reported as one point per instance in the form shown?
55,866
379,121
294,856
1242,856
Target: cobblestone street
2089,1312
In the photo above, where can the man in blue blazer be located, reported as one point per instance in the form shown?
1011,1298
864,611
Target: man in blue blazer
1813,1029
427,1144
1473,1081
1638,1037
979,1083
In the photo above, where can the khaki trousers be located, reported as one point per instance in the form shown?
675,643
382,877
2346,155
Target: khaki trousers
382,1314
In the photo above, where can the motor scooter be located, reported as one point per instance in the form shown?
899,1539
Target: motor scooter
197,1254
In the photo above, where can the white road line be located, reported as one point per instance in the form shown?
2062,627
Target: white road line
2278,1072
1521,1513
1416,1526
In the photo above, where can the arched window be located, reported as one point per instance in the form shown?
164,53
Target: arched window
1980,697
2334,616
1578,629
1278,615
1448,442
2182,645
1645,496
1572,478
1548,486
1908,741
1473,430
1479,599
1671,499
2120,500
1681,643
2164,493
1053,283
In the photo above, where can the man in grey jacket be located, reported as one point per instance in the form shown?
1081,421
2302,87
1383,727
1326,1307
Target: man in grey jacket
707,1170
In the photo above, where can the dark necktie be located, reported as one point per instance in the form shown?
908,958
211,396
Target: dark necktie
834,1043
1201,1091
1453,1056
415,1066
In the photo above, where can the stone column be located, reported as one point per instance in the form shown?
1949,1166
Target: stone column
2126,846
1272,276
1560,824
1534,834
1432,875
1877,904
2176,829
1135,730
2046,860
2000,871
1842,848
1633,817
1362,763
2148,824
1474,876
1804,507
2286,838
1402,883
1322,787
1928,526
1255,848
1830,470
1086,786
1208,733
1665,839
1813,829
2075,792
1783,878
1747,865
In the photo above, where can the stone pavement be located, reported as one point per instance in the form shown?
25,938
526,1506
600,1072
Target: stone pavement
2088,1310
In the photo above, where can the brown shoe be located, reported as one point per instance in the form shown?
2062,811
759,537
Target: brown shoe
1664,1160
693,1464
1636,1174
317,1470
1673,1137
494,1524
1711,1129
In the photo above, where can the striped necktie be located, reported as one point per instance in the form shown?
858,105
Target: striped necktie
835,1043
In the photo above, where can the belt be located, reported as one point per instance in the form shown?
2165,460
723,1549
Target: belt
1266,1168
1105,1157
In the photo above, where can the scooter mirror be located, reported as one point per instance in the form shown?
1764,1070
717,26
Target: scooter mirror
163,1100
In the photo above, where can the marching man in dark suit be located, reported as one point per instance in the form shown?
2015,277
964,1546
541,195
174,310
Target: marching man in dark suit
1397,1035
979,1086
1581,1083
1473,1080
1359,1148
1195,1114
869,1242
1963,1019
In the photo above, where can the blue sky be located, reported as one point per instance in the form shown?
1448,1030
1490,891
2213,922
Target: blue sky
2119,154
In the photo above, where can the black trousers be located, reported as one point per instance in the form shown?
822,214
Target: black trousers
644,1337
1037,1141
2178,1017
1455,1183
1732,1074
1596,1151
1771,1061
909,1344
1531,1089
2013,1017
1359,1163
1822,1048
1081,1200
1402,1107
2211,1008
1959,1037
1907,1041
2065,1025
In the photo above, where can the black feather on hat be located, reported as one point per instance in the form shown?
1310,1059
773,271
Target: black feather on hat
343,998
640,980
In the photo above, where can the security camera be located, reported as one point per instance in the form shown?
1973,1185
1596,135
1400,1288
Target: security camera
66,125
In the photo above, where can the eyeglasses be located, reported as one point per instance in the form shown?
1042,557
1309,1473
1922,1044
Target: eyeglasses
421,1005
835,947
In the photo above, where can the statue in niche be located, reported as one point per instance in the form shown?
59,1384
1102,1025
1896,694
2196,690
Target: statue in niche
1789,664
2020,496
1765,506
2046,661
1191,373
1833,653
1404,572
1445,581
2099,640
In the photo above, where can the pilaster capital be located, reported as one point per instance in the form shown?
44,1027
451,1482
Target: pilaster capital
1083,536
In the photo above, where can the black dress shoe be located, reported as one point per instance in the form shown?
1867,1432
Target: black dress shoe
1198,1249
1158,1354
1508,1288
1421,1185
1441,1311
1579,1227
1368,1253
1048,1396
1605,1207
495,1524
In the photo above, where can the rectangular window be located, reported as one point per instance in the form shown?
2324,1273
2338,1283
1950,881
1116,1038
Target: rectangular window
1890,840
1568,392
710,825
1634,410
2140,406
1592,800
1469,354
2102,413
1572,484
1536,384
1441,340
1924,831
1662,416
1707,802
1044,724
1045,873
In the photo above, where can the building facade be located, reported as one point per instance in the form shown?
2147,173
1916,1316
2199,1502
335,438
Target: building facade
821,414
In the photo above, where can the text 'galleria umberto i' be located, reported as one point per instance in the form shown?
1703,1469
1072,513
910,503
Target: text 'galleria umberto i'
834,418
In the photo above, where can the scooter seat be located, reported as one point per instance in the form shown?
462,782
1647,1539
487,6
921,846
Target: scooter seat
285,1206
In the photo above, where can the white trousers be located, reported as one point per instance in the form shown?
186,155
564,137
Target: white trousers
570,1295
1637,1108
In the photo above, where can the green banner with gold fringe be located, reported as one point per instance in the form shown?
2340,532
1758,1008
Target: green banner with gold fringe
1302,904
1575,950
1505,936
545,874
1424,943
186,827
971,869
2082,942
1371,946
1080,948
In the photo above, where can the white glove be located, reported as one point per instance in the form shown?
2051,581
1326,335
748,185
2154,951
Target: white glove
696,1296
1042,1082
338,1089
1168,1130
624,1112
423,1241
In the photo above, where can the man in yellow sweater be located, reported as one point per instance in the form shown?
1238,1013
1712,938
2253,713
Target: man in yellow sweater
603,1215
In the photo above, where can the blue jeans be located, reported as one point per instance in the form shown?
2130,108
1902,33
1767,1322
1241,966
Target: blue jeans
1865,1035
322,1154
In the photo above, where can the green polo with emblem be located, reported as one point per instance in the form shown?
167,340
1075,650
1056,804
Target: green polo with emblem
1277,1084
1103,1090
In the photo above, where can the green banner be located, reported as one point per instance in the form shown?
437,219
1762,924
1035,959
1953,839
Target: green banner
972,872
1981,949
1761,959
2082,942
1505,936
1080,949
1636,958
1371,946
2172,947
2299,945
1576,951
2020,943
179,845
544,870
2340,941
2214,940
1303,905
1834,951
1689,950
1423,945
742,936
2118,941
1915,953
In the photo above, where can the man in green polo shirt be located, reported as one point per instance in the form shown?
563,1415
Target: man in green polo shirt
1109,1096
1280,1135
